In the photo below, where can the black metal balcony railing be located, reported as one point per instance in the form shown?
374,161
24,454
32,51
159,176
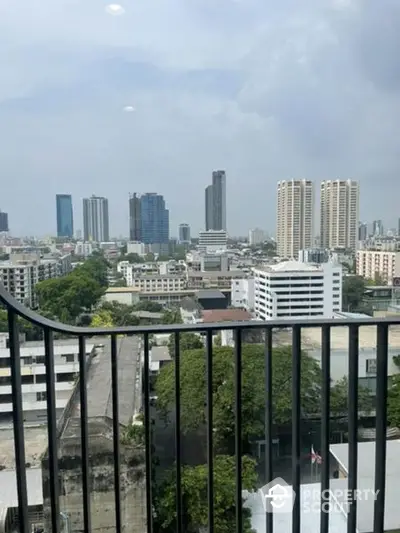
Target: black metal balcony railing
49,327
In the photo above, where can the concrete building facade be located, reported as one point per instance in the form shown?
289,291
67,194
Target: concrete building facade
370,264
339,212
213,240
95,219
293,290
33,375
294,226
22,272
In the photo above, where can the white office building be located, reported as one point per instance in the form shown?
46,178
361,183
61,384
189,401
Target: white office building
242,293
297,290
33,376
213,240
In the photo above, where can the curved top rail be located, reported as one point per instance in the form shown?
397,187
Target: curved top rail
24,312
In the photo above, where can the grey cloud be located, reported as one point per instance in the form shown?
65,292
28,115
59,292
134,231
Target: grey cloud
266,89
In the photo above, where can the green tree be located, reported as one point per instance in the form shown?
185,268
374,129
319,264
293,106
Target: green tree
67,297
187,341
133,258
378,281
193,390
31,332
352,292
393,407
194,497
122,314
152,307
150,257
102,319
340,399
172,316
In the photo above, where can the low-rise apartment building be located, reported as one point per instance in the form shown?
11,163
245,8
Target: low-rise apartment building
297,290
22,272
373,263
159,282
33,376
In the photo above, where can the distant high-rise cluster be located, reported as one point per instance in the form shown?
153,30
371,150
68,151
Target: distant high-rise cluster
65,217
339,215
95,219
148,219
215,202
3,221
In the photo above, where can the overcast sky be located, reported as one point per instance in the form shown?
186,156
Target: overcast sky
266,89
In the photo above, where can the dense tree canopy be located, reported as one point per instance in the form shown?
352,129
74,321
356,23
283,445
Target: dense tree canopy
121,314
194,497
352,292
193,390
152,307
31,332
172,316
187,341
67,297
340,402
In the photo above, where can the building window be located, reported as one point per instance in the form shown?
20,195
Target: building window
370,366
41,396
70,358
27,360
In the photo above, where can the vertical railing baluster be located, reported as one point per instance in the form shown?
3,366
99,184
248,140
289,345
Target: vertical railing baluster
210,447
296,423
353,428
325,413
148,431
52,429
238,429
178,448
18,422
84,434
116,432
268,421
381,423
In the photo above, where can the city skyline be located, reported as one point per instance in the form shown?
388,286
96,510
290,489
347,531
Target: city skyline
249,92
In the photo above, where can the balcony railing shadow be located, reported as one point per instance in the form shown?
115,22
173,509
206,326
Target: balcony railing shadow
133,466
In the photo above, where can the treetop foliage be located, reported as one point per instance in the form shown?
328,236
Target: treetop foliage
193,390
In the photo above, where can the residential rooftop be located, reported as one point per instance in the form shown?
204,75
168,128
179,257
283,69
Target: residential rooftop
210,293
225,315
290,266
